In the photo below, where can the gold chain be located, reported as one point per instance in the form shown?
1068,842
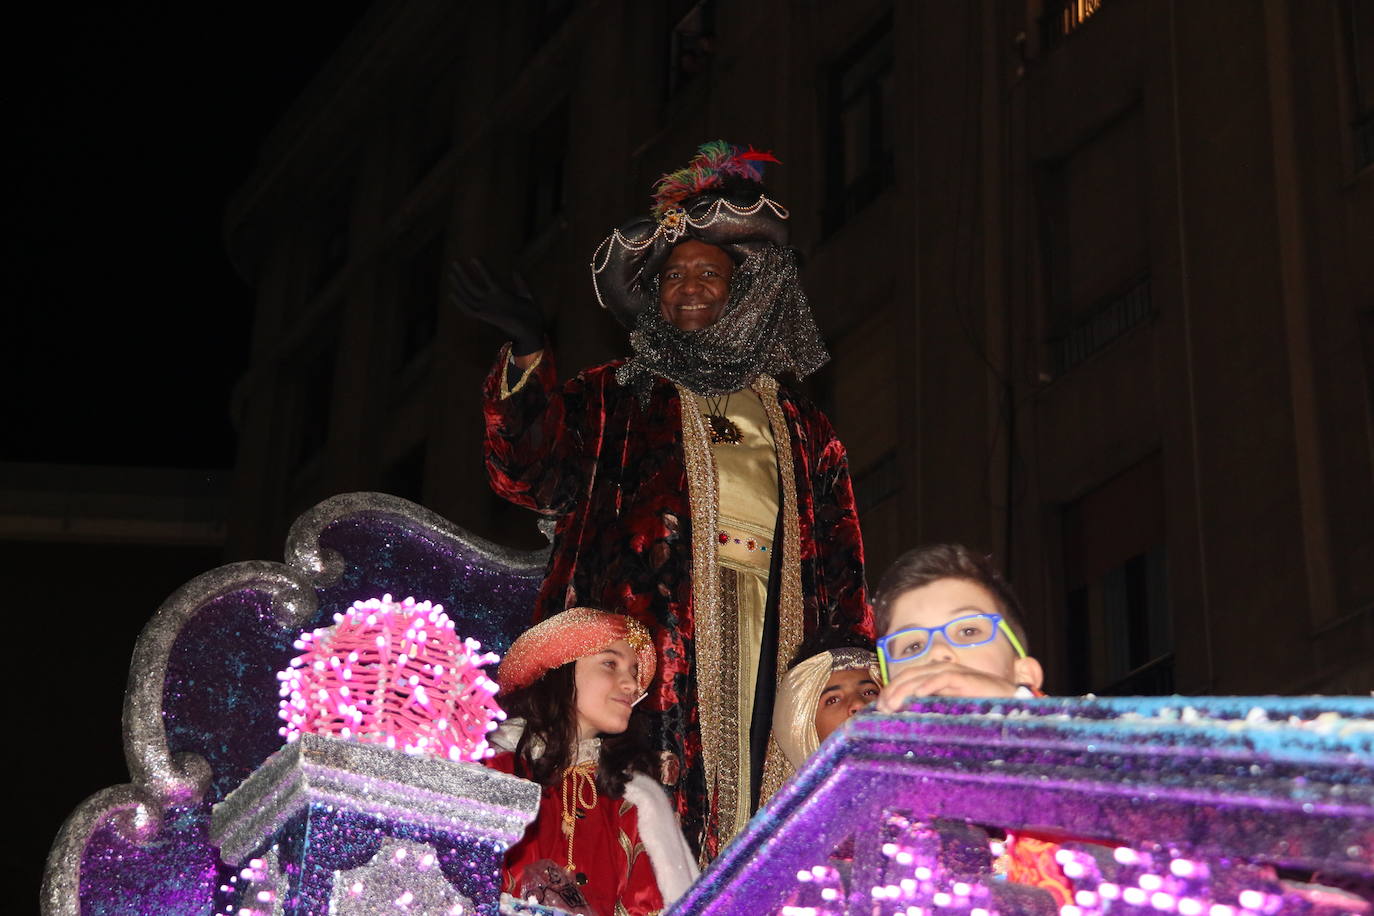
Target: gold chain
715,407
578,781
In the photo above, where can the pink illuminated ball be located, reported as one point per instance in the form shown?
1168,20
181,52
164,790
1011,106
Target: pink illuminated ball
392,673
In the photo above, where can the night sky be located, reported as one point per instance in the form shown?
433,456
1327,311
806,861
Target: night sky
128,127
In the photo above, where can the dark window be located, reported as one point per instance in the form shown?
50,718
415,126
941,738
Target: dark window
1095,240
1365,322
859,126
548,155
549,16
1062,18
691,43
434,132
417,311
312,398
1118,635
878,482
406,475
331,235
1359,29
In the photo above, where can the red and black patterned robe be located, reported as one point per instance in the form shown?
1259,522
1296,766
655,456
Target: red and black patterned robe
614,476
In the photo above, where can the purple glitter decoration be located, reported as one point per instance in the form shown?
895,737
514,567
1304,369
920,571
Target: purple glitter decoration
175,874
1283,784
489,603
1127,881
220,691
322,840
210,719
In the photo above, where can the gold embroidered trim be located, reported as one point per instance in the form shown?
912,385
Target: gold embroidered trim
717,630
717,736
507,391
775,770
734,807
790,605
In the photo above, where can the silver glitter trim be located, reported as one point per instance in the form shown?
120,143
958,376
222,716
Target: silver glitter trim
323,566
374,780
399,868
184,779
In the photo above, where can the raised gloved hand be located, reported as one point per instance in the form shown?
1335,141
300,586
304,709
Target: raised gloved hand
515,314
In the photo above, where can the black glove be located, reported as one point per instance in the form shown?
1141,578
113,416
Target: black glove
515,314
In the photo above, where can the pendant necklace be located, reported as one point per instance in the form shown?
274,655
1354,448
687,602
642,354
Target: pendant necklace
723,431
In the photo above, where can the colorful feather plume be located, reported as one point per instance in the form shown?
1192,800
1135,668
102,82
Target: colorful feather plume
709,168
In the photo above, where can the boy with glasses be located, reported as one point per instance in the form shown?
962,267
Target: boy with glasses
950,627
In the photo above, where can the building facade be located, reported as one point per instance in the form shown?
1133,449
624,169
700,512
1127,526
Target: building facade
1095,276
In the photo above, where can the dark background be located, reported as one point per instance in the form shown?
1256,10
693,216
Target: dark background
125,327
131,124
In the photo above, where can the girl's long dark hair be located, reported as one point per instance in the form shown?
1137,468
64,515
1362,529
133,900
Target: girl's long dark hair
549,708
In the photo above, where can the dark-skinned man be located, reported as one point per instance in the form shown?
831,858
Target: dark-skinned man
691,490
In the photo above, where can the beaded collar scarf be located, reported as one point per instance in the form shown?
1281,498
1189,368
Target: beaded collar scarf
766,327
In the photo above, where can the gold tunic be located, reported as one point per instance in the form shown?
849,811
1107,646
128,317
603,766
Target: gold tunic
730,582
747,483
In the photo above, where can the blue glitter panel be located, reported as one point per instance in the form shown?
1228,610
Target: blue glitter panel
220,692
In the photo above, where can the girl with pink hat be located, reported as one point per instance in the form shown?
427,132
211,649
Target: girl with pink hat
606,840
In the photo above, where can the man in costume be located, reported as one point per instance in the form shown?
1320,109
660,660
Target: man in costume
691,491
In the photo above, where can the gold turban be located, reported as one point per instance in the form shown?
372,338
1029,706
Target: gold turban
794,711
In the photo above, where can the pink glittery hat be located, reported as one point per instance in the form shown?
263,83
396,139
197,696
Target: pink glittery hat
568,636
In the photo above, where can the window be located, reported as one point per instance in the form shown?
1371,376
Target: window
548,154
875,484
1365,322
405,477
549,16
331,237
859,126
1096,240
691,44
1117,628
1359,32
417,310
312,399
1062,18
433,132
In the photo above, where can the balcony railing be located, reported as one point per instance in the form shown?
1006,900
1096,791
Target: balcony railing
1113,318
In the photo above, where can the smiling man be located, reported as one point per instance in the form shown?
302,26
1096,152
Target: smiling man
694,285
818,696
691,490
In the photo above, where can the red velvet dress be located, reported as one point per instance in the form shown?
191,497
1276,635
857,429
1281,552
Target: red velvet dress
614,476
606,848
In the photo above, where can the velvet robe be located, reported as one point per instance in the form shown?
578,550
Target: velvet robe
613,475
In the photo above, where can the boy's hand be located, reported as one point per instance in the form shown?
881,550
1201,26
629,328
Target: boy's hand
941,679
